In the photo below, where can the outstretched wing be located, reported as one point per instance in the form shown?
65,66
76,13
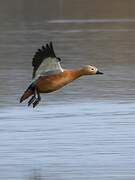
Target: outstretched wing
45,61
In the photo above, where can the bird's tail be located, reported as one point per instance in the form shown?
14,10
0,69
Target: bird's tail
27,93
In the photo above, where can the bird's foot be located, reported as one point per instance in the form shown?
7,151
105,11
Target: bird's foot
36,102
31,100
35,98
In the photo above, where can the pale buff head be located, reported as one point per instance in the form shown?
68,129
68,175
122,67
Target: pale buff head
90,70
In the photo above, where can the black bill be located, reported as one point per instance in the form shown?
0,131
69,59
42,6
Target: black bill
98,72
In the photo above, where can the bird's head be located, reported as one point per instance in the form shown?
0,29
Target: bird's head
91,70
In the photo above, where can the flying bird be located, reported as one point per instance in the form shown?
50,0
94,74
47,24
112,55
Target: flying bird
49,76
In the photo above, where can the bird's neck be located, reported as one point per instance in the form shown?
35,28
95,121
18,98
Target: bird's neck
76,73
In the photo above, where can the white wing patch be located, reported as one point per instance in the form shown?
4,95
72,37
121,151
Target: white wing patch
49,66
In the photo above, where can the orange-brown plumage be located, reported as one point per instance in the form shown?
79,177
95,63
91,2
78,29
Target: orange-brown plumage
47,84
49,76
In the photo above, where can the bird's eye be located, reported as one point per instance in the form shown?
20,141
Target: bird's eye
92,69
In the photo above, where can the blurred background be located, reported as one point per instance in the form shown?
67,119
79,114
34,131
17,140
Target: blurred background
85,130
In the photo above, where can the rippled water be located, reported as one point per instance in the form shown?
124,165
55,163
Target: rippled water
85,130
68,141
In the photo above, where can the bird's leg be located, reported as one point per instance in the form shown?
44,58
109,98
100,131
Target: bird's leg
38,99
33,98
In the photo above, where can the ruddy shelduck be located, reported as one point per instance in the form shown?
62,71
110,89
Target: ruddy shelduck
49,76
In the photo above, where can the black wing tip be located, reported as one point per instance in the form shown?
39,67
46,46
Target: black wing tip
45,51
51,44
42,53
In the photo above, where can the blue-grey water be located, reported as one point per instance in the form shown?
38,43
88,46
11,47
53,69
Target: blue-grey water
85,131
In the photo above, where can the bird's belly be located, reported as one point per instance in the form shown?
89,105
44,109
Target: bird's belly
48,89
50,86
